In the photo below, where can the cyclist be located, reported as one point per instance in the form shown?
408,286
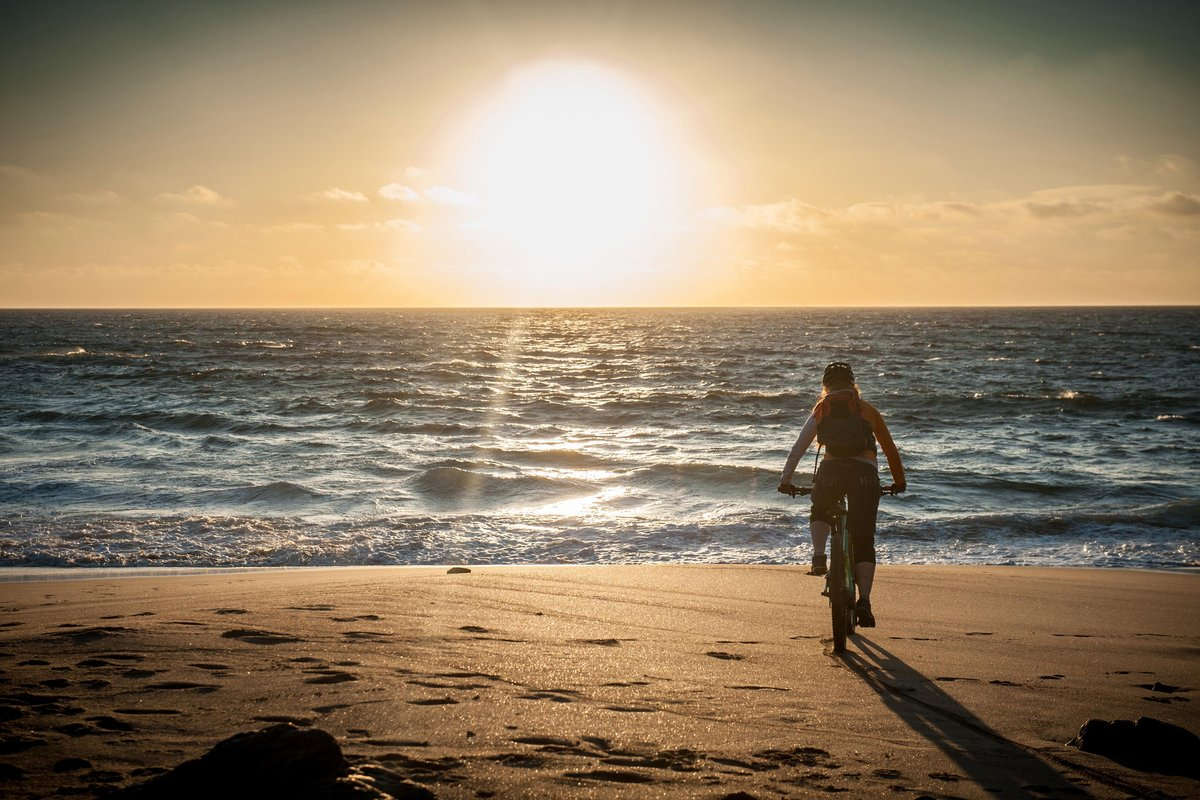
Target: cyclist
848,427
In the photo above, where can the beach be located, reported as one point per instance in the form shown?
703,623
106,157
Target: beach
604,681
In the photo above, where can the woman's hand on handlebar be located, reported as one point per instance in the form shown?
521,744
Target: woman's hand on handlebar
895,488
787,488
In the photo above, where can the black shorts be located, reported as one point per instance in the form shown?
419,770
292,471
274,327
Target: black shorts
859,481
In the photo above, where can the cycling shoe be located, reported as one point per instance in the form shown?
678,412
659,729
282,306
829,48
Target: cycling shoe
864,617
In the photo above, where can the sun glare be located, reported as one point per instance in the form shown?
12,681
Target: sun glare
576,176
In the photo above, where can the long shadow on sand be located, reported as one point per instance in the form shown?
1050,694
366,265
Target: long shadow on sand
994,762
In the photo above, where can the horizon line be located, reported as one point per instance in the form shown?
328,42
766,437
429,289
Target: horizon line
598,307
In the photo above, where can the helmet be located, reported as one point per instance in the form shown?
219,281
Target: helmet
838,372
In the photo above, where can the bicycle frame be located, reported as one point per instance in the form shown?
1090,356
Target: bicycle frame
840,586
840,577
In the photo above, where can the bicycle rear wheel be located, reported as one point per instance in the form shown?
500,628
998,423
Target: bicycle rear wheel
841,585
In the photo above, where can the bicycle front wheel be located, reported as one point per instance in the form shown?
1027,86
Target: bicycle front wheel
841,586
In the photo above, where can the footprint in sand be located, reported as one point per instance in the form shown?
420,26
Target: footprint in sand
147,711
201,688
632,709
982,633
724,656
951,679
1165,688
140,673
1003,683
365,635
92,662
600,642
331,676
759,688
360,617
226,611
110,723
95,634
519,760
1054,677
387,742
545,741
552,696
313,607
36,662
434,701
474,629
611,776
300,722
255,636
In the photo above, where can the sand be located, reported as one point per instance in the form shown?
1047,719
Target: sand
628,681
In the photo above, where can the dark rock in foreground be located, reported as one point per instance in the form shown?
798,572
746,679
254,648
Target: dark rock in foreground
279,761
1149,744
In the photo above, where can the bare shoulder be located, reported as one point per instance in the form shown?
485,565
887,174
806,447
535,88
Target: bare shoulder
871,411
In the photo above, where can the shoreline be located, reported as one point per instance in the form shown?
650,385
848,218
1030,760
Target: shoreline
606,681
84,573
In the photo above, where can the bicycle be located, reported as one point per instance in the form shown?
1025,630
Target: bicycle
839,579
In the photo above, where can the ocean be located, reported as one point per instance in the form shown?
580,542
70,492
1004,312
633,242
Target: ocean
1062,437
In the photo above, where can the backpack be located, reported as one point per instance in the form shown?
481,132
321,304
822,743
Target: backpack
842,430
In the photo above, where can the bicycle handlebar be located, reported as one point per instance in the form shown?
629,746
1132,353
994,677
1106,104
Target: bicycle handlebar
804,491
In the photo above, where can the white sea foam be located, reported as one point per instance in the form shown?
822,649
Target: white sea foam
239,438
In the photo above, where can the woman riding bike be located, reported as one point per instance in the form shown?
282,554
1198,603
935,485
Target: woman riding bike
848,427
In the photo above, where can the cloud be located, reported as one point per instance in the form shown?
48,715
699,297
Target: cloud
103,197
788,216
1177,203
413,173
1063,208
1173,165
14,172
293,227
970,209
398,191
396,224
195,196
445,196
341,196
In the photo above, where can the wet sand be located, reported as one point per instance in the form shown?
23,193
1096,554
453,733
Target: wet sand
627,681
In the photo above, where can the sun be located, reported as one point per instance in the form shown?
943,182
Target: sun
576,174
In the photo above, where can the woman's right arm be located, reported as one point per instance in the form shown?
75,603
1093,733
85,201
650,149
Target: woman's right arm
807,434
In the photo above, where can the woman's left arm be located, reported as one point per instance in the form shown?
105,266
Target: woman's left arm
884,437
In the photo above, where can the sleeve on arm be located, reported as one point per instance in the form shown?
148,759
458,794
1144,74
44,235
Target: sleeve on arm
807,434
884,437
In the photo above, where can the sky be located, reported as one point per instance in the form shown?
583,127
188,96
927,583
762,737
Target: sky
267,154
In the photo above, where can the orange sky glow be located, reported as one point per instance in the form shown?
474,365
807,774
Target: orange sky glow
528,154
